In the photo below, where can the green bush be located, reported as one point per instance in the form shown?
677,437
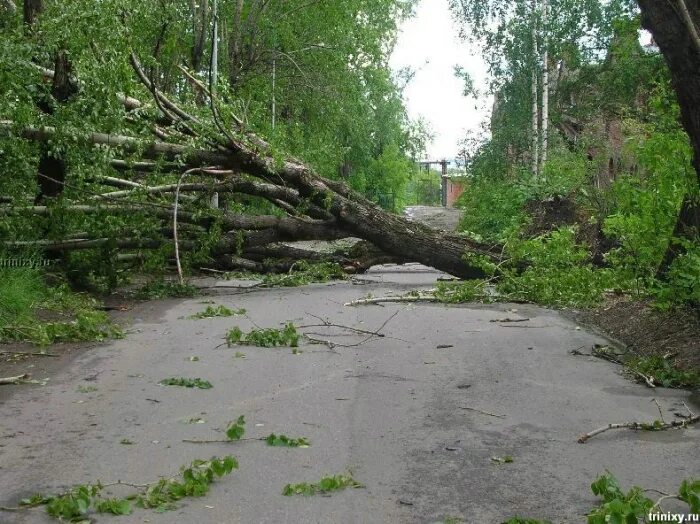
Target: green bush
492,208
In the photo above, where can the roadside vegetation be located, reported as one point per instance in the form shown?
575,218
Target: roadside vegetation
31,310
575,195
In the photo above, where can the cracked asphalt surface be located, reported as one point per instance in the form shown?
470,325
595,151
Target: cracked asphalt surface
415,415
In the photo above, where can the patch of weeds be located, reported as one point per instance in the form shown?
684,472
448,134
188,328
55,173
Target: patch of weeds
325,485
283,441
161,288
664,373
86,389
75,504
218,311
507,459
236,429
267,338
635,506
186,382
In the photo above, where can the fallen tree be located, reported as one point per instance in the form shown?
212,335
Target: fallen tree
206,159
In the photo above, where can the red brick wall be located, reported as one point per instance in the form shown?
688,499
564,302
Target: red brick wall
454,191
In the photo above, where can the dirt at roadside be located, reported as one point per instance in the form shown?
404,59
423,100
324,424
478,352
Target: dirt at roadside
648,331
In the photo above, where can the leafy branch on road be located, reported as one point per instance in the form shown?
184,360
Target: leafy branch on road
218,311
325,485
618,506
162,495
236,430
283,441
186,382
266,337
656,425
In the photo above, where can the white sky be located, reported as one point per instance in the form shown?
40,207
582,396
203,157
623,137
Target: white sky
430,45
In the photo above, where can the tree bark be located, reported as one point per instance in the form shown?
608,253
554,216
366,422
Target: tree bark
674,28
32,9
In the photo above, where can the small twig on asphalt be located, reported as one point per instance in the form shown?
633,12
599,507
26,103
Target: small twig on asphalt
524,327
657,505
658,406
481,411
222,441
510,320
122,483
327,323
600,352
636,426
690,413
33,354
19,379
384,300
370,335
577,352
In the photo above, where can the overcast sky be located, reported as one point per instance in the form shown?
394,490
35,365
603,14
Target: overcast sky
430,45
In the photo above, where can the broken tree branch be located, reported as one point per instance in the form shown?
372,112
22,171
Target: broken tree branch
643,426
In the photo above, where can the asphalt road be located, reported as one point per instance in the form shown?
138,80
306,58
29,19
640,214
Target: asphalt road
416,415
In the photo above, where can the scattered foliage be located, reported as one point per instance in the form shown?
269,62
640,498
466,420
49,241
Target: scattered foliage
195,482
269,337
284,441
218,311
506,459
236,429
160,288
305,272
186,382
325,485
634,506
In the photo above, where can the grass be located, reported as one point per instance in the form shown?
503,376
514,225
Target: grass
664,372
32,311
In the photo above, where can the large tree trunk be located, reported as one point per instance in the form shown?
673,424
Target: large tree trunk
32,8
674,25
